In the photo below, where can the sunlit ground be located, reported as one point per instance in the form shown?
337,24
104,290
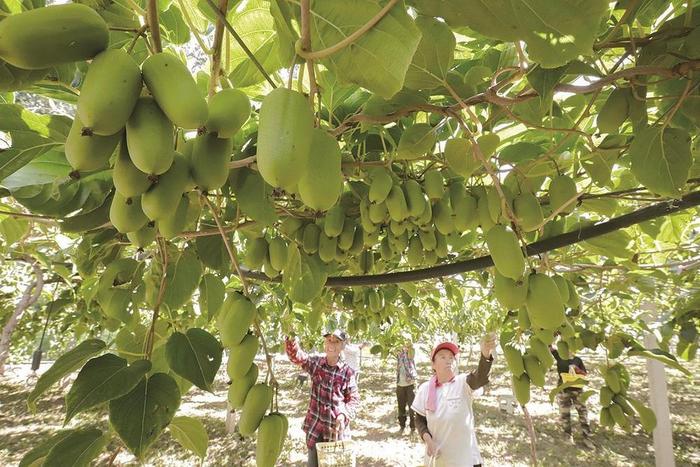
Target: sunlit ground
503,437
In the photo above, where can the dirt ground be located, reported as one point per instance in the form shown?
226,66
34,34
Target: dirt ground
503,437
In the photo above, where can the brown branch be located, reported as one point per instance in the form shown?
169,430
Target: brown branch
306,48
228,245
216,52
491,95
308,55
140,32
153,25
150,338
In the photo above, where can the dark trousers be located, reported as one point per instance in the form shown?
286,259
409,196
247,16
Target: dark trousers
567,399
405,396
313,458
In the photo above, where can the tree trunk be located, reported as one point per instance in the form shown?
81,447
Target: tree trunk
27,300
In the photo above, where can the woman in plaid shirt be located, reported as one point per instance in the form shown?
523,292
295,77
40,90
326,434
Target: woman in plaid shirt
334,395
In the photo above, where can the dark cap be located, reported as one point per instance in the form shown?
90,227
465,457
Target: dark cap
337,333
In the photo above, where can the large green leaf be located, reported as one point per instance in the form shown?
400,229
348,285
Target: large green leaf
37,455
211,249
211,295
191,435
46,168
176,29
661,159
281,12
196,356
64,365
377,61
255,25
14,158
555,32
13,229
544,80
102,379
661,356
16,119
599,166
254,196
613,244
304,276
182,279
78,449
434,56
141,416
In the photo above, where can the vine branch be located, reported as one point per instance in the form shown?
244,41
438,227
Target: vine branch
216,50
153,25
319,54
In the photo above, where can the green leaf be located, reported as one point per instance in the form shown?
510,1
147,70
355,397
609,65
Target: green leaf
256,26
211,249
377,61
661,356
64,365
14,158
599,166
553,393
544,80
13,229
191,435
520,152
78,449
211,295
661,159
602,206
49,167
304,276
286,35
37,455
176,29
102,379
196,356
555,33
613,244
673,228
15,119
377,106
434,56
141,416
182,279
254,196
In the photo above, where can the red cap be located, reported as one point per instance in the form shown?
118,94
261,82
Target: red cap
444,345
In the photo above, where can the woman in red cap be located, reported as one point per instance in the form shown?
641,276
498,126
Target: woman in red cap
443,406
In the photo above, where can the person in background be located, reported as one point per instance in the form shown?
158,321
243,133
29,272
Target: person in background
443,406
334,396
570,370
352,354
406,375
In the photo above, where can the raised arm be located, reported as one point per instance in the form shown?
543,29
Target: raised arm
480,376
297,355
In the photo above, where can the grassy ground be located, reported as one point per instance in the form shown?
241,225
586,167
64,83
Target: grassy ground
503,438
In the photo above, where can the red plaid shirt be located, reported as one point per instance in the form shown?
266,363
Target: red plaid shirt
333,392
